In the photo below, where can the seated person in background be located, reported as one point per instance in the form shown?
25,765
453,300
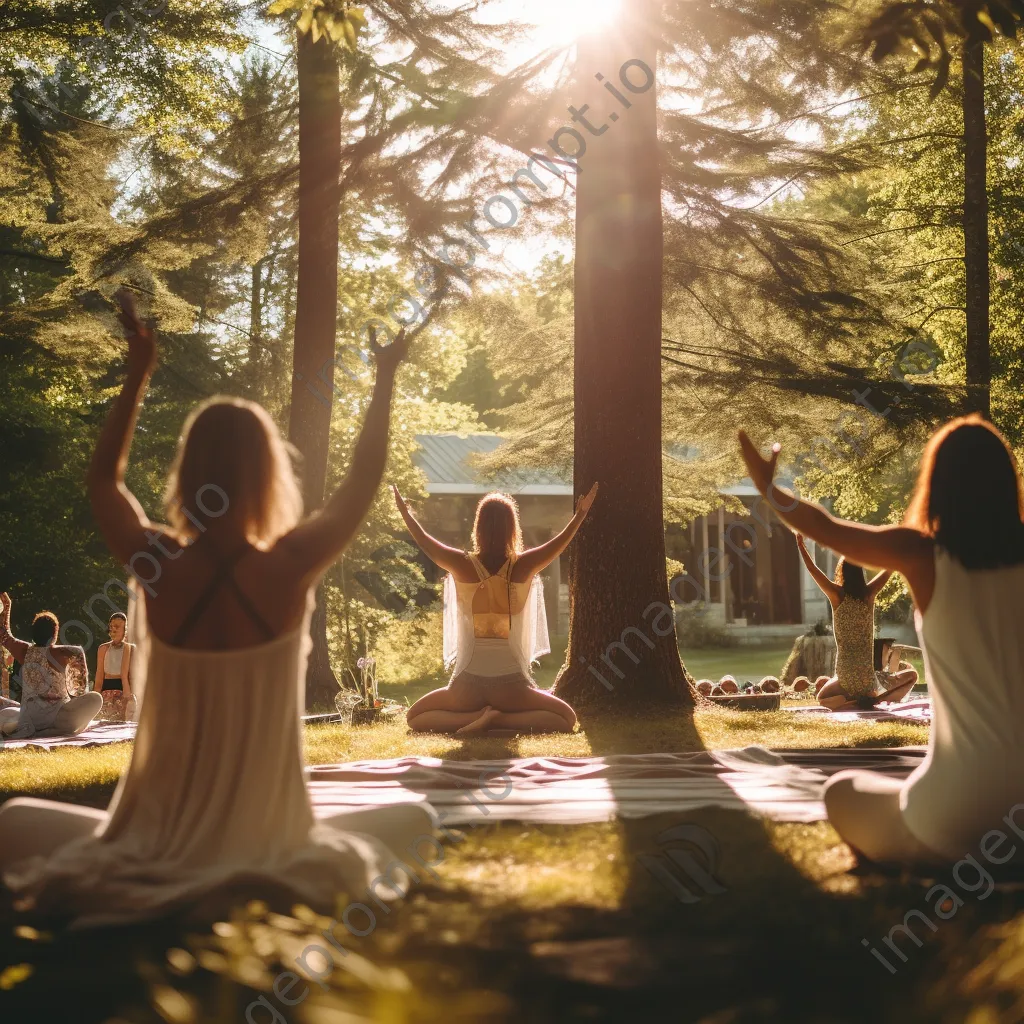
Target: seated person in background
895,677
493,621
113,667
53,681
852,598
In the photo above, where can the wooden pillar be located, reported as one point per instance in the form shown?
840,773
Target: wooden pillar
723,565
707,570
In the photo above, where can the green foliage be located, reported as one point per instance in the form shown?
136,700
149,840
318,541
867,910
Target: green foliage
409,649
696,629
929,33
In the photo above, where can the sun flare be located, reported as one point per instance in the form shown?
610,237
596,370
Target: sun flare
559,22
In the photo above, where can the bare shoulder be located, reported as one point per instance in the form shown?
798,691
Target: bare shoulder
525,569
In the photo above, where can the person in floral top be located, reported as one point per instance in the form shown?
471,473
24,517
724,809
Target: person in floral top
53,681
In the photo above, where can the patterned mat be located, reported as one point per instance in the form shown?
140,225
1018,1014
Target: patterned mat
917,711
100,733
784,785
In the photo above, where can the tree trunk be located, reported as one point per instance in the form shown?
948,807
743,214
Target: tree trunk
812,656
622,649
316,311
256,312
979,375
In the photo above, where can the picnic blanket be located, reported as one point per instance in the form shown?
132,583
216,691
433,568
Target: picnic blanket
784,785
100,733
917,711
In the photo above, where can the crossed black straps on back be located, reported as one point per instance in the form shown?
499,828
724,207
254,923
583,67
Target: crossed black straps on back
223,574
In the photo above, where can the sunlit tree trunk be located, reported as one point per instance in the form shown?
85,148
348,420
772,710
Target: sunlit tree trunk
622,647
976,257
316,305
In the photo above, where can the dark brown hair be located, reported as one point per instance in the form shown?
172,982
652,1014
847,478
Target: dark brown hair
45,629
496,529
851,578
968,496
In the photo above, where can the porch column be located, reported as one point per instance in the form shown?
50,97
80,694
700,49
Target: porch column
707,571
724,565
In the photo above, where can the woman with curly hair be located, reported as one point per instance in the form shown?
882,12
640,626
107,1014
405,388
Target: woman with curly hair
53,680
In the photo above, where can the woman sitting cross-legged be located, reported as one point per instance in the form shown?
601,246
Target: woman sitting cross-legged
961,551
113,671
493,613
856,683
53,680
215,796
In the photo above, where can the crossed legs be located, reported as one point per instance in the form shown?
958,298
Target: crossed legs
832,696
467,709
864,808
30,827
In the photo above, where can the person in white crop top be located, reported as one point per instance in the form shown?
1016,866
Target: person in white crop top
961,550
494,625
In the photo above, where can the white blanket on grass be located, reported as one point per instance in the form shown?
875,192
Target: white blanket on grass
781,785
917,711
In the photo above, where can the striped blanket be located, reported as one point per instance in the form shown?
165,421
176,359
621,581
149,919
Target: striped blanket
784,785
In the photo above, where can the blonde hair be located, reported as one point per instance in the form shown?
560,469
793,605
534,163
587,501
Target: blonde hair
496,526
231,456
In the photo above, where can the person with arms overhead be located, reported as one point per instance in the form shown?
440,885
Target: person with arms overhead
215,793
856,683
961,550
494,624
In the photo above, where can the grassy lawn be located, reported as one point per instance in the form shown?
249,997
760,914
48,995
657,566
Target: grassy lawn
544,923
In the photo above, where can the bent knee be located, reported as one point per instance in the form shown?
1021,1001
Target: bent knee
838,788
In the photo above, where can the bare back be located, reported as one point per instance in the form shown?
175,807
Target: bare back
271,583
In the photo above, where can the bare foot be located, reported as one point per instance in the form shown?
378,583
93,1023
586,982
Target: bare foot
481,724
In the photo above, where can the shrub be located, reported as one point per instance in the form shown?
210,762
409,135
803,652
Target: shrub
408,649
695,628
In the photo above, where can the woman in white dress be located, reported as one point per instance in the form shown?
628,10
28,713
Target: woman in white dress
961,551
53,682
215,792
494,626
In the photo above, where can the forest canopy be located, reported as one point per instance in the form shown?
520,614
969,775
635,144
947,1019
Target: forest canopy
814,206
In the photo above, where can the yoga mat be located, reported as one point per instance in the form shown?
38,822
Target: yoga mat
100,733
783,785
917,711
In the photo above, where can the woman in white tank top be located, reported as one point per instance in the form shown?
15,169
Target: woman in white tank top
494,625
961,550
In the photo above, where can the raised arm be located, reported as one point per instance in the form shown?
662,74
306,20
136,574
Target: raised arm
452,559
535,560
117,511
317,541
875,586
898,548
7,638
830,589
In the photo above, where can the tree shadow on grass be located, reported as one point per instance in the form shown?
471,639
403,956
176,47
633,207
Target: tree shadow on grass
759,932
778,938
